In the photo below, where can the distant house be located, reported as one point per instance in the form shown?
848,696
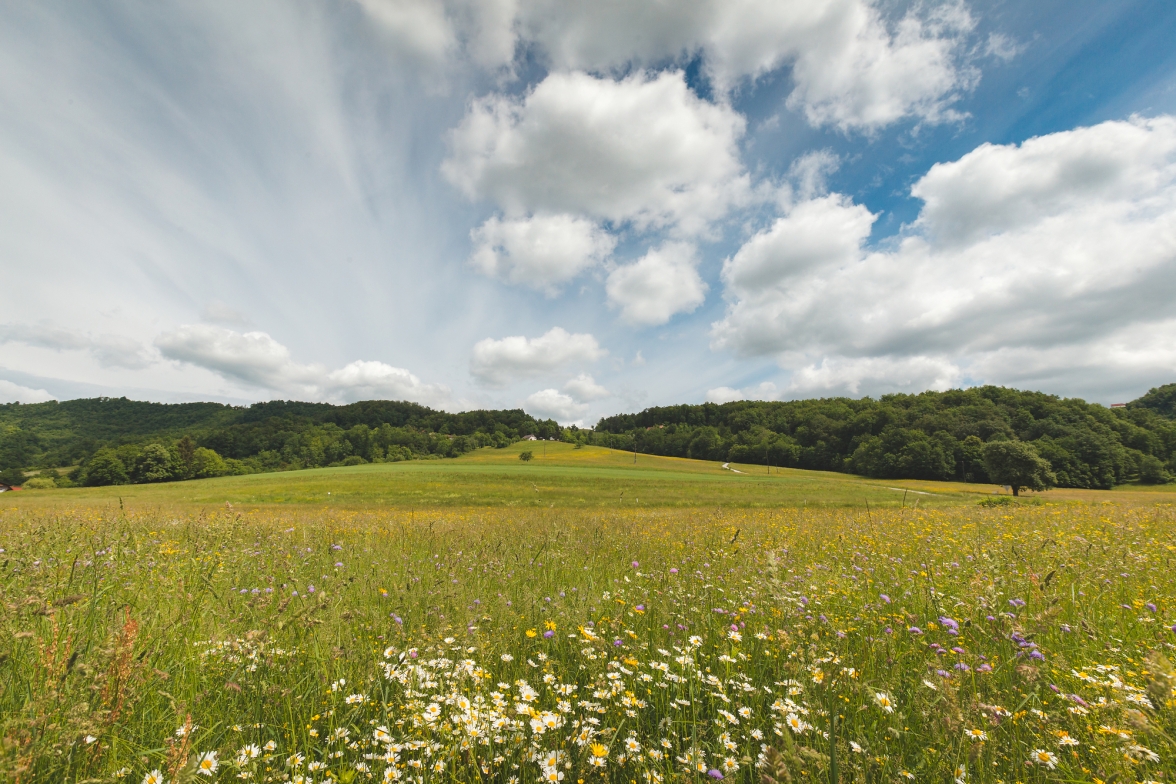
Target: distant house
530,438
5,488
1118,405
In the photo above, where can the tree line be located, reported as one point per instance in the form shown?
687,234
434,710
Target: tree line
983,434
120,441
932,435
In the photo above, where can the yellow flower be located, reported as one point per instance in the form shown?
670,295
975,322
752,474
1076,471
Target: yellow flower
532,633
598,750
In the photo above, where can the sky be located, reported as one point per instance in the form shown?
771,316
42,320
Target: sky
585,208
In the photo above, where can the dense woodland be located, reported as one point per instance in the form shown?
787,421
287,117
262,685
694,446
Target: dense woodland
933,435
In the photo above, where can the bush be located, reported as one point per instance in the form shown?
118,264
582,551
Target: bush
40,483
525,456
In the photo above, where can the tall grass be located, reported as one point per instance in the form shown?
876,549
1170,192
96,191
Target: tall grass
1022,643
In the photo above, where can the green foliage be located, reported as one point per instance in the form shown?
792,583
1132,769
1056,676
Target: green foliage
1017,464
12,476
525,456
1153,472
1161,400
933,435
104,468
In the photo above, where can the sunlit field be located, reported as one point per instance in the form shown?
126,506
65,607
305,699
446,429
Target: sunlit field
207,629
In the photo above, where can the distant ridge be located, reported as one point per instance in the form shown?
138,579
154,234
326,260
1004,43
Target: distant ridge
931,435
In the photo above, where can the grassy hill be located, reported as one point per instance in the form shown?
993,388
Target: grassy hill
560,476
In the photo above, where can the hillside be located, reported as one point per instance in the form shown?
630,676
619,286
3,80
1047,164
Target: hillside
929,436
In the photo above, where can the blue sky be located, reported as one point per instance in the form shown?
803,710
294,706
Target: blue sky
581,209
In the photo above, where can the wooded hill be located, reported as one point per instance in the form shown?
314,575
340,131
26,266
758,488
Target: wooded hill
933,435
133,441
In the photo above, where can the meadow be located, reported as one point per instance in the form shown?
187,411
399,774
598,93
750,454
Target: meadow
483,619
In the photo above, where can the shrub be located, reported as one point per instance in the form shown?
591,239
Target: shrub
525,456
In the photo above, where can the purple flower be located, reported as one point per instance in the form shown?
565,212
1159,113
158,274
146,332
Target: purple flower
822,618
640,607
674,570
962,667
548,634
310,589
943,673
989,618
804,600
1055,689
338,564
957,649
635,564
1017,602
949,623
888,630
915,630
617,643
336,547
397,618
1079,700
885,598
734,627
984,668
1038,655
1150,606
294,593
714,774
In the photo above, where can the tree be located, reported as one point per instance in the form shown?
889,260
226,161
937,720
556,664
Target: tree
104,468
1153,472
1017,464
12,476
525,456
186,452
156,464
207,463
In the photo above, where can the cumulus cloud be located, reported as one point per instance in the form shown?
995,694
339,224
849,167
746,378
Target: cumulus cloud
496,362
15,393
851,67
553,404
762,391
643,150
661,283
1058,244
258,360
109,350
540,251
583,388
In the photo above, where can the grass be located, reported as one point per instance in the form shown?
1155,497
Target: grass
565,477
729,625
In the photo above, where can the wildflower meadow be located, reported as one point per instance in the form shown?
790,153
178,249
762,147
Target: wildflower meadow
1014,643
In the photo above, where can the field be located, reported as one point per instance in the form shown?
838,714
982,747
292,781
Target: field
483,619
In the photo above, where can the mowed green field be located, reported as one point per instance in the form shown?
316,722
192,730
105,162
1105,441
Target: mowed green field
560,476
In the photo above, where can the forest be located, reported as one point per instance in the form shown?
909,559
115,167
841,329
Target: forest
931,435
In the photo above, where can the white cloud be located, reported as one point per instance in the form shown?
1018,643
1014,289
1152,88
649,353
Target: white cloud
496,362
418,30
660,284
644,150
368,380
553,404
851,67
15,393
583,388
763,391
852,377
723,395
258,360
1063,244
109,350
541,251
